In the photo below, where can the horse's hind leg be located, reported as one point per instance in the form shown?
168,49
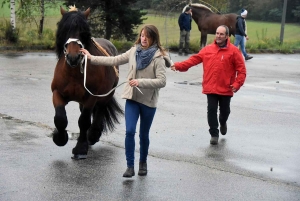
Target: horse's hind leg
81,149
96,129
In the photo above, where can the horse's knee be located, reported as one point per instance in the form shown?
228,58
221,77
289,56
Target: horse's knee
60,118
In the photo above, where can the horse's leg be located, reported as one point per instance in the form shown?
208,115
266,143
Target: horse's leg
105,115
84,122
96,129
60,135
203,40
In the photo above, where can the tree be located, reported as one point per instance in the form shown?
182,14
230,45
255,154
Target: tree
12,5
29,10
12,14
293,11
112,19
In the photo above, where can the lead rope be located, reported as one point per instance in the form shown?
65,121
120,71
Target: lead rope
103,95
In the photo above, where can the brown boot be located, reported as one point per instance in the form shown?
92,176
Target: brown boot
142,169
129,172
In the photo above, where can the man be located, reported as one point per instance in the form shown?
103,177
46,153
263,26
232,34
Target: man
240,33
185,24
224,72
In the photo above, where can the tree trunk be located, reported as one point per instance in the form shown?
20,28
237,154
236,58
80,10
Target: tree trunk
41,26
108,27
12,14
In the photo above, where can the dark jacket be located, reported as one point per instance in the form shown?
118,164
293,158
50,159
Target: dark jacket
240,26
185,22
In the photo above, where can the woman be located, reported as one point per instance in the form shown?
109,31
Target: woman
147,71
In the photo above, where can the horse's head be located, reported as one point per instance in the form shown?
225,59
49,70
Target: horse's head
72,53
72,34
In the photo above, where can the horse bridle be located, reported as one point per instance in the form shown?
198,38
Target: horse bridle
66,52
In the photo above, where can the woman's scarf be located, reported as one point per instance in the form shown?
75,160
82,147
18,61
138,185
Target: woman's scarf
144,56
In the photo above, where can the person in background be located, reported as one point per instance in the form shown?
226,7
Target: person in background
245,40
224,72
147,61
185,25
240,33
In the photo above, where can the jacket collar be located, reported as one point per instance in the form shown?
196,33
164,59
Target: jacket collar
227,44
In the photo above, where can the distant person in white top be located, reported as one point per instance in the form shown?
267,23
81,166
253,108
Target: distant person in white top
240,33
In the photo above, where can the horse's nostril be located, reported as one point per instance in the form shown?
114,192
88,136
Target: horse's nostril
73,60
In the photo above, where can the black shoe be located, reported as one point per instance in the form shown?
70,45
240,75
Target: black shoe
214,140
142,169
129,172
223,129
248,57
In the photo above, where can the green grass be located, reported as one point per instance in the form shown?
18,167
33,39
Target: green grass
262,35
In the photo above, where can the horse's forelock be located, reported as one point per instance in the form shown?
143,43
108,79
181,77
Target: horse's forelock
72,25
201,6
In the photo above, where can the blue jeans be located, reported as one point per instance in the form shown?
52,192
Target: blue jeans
134,110
239,40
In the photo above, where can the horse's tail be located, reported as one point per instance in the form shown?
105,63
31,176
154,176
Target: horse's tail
111,113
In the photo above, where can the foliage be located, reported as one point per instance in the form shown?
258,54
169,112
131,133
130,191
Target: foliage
30,11
296,13
9,34
122,45
267,10
112,19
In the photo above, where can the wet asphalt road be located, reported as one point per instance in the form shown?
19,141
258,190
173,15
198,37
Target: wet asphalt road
257,160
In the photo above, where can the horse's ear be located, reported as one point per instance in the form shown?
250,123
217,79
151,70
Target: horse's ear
87,12
62,11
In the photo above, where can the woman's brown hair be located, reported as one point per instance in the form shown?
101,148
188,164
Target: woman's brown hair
152,36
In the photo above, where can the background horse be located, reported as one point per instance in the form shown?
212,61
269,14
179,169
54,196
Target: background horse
208,21
68,83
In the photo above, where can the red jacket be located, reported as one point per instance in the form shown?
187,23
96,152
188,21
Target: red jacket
222,67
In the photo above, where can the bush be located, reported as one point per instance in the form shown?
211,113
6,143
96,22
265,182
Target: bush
8,34
122,46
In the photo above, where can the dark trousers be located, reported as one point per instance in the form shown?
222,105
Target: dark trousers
213,101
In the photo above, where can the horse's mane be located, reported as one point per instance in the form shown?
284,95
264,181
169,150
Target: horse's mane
72,25
201,6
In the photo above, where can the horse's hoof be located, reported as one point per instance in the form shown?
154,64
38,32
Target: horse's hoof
79,156
80,151
60,139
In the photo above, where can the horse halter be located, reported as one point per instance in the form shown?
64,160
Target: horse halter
81,60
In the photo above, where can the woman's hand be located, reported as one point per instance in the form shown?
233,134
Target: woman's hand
85,52
133,82
173,68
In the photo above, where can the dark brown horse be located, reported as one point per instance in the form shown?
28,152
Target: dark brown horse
208,21
98,114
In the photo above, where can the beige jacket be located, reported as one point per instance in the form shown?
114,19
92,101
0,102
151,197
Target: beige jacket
150,79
